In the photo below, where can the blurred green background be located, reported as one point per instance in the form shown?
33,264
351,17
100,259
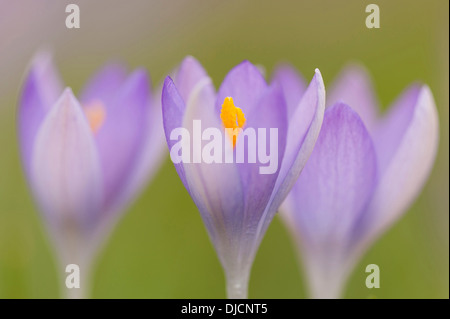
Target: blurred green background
160,249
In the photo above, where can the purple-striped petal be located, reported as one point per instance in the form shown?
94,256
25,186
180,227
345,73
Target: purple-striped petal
245,84
41,90
174,100
238,249
293,85
389,130
176,115
407,140
303,130
120,137
215,187
173,108
104,85
258,178
354,87
330,197
65,172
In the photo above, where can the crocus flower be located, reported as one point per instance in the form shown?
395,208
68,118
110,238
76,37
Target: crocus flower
86,159
235,200
363,174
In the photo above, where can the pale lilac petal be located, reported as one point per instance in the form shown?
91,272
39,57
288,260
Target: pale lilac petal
176,115
104,85
416,137
188,75
120,137
293,85
259,179
245,84
175,97
257,188
330,197
303,130
215,187
388,132
153,149
41,90
65,170
337,181
353,86
173,108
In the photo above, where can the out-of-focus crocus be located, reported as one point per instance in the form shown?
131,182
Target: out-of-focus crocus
85,159
237,201
363,174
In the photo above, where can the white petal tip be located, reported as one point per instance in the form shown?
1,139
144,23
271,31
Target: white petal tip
318,76
43,55
67,95
425,90
425,98
68,91
189,59
319,79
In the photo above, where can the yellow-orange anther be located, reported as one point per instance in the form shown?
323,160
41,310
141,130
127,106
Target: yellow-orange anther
95,114
232,118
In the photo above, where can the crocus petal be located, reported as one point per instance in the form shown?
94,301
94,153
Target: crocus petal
188,75
330,196
258,186
217,191
303,130
413,126
152,151
389,130
66,175
104,84
176,116
293,85
121,135
354,87
41,90
215,187
245,84
173,108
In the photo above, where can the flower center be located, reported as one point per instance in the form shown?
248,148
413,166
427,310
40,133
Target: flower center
95,113
232,118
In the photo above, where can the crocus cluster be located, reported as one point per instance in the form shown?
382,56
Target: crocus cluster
343,173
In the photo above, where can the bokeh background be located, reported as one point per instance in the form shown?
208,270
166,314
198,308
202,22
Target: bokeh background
160,248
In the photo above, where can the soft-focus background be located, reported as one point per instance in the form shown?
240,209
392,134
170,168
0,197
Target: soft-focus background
160,249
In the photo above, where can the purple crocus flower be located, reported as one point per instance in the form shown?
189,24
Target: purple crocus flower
86,159
363,174
235,200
